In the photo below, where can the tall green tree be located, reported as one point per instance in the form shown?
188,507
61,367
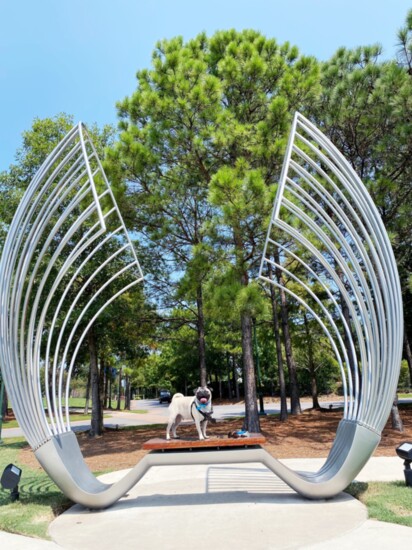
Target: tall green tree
405,62
163,155
404,44
201,147
366,109
38,142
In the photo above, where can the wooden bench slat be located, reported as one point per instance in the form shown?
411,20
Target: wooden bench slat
159,444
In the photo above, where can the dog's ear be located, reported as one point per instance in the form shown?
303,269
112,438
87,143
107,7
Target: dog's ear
195,390
209,388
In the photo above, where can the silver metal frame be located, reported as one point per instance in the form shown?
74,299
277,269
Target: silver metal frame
67,256
330,237
51,293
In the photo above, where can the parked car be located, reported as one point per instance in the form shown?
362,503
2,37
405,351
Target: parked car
165,396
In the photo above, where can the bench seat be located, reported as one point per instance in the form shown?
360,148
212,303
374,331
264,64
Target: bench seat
216,442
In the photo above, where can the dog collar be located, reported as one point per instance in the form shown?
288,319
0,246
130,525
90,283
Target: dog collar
207,415
203,408
200,405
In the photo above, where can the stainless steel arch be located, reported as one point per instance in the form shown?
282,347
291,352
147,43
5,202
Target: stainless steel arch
330,239
51,292
67,256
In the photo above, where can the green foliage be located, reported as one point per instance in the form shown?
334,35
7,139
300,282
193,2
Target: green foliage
225,288
250,300
38,142
201,139
364,107
404,379
326,369
405,43
175,368
195,170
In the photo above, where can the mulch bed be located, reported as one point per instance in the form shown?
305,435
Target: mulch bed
310,435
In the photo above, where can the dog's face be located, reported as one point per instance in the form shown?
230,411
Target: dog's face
203,395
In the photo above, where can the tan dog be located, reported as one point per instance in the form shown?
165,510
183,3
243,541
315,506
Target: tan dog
198,408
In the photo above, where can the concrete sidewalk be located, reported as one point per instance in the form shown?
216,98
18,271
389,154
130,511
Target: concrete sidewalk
226,507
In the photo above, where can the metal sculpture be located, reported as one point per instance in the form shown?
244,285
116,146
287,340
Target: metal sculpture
328,239
67,256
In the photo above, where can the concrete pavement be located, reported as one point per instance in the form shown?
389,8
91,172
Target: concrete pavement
226,507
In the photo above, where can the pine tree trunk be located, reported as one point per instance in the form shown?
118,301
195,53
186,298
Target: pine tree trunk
314,391
295,407
408,356
4,403
201,336
119,394
235,378
110,390
347,338
96,427
127,394
251,422
397,423
50,387
102,377
276,332
87,400
312,371
229,383
106,385
290,361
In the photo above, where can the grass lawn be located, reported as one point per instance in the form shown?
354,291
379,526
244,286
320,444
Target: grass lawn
74,417
390,502
40,499
80,402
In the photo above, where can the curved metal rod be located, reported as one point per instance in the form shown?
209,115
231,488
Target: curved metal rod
61,458
60,229
322,205
48,285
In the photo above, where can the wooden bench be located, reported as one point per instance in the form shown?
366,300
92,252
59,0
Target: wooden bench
213,443
216,450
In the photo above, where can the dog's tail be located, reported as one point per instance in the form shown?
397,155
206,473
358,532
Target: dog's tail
177,396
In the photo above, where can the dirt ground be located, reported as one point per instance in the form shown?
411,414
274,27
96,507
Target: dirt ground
310,434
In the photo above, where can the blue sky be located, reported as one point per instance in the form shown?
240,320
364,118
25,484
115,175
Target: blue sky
81,56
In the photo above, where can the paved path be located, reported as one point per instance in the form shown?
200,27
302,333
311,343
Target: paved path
229,507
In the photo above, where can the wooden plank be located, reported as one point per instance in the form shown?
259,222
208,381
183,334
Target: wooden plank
159,444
